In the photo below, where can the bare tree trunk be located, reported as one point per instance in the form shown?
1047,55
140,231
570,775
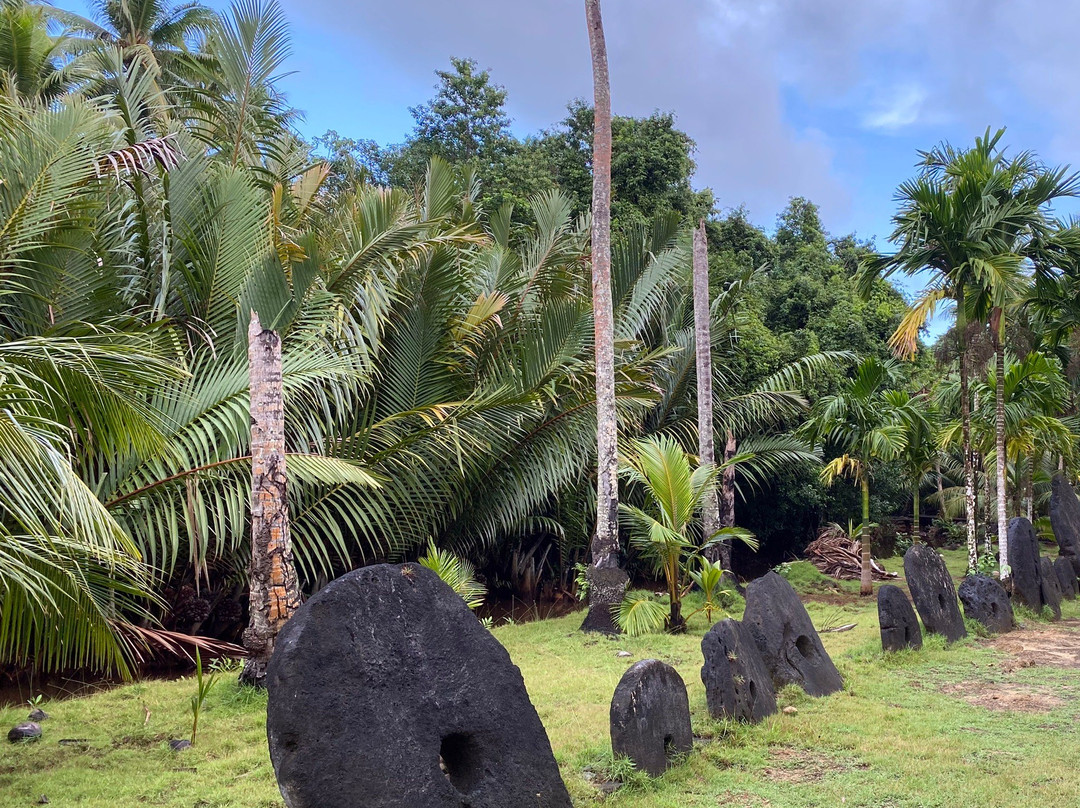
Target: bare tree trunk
710,510
607,579
969,467
274,591
916,533
727,495
999,429
866,582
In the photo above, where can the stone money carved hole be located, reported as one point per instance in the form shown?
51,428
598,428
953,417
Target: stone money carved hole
669,752
753,692
805,647
993,608
941,600
459,759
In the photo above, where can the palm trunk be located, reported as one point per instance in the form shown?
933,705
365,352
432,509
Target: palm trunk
866,585
727,495
999,429
969,467
710,511
607,579
274,592
916,533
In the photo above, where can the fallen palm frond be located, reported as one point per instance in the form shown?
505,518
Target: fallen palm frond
839,556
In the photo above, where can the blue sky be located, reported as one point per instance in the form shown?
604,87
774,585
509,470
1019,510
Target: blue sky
828,99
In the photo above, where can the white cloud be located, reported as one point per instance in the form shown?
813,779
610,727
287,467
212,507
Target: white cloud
897,109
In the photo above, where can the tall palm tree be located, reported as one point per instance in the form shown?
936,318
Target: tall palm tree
160,34
972,217
607,579
859,422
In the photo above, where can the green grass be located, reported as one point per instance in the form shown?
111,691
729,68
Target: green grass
891,738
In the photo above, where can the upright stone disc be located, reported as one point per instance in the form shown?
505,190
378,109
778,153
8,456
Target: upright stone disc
1070,585
737,683
986,600
899,625
650,716
1025,565
1051,589
385,692
787,639
933,592
1065,520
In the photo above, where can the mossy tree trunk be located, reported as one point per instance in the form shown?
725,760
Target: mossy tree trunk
274,591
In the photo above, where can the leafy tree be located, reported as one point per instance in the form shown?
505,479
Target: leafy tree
651,167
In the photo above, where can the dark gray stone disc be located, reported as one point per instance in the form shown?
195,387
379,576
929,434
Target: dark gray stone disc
385,691
899,625
789,643
933,592
1070,585
650,716
1051,588
737,683
1024,564
1065,519
986,600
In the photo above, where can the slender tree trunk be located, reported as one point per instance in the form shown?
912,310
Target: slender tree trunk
607,579
999,429
940,490
710,509
274,591
969,467
727,494
916,533
991,499
866,584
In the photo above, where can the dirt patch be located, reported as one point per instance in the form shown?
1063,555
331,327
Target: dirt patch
792,765
742,799
1056,646
1005,696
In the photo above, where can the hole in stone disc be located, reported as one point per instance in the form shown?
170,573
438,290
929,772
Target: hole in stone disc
993,607
459,760
753,692
941,600
806,648
669,753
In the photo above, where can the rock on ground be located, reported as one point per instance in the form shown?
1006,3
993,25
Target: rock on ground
650,716
25,731
786,637
986,600
899,625
385,691
933,592
737,683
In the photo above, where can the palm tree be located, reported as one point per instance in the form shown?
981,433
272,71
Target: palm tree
972,217
675,493
859,422
607,580
160,34
916,415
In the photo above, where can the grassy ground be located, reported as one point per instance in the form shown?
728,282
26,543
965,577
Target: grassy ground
900,734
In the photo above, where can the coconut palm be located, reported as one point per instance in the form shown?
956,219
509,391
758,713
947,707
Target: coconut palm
675,493
859,422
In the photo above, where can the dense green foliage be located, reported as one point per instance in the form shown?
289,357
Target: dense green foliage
432,299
